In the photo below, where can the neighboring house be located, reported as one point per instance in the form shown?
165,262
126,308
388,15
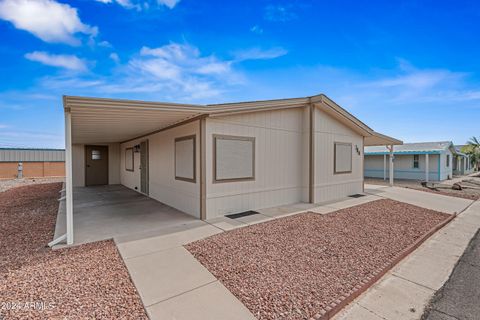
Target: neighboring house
31,163
214,160
461,163
426,161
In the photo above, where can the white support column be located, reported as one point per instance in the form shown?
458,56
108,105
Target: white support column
68,175
384,167
391,165
426,167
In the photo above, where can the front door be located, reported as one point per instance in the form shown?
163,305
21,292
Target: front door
96,165
144,167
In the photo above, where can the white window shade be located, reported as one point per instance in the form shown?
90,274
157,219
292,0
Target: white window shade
234,158
129,159
343,157
185,158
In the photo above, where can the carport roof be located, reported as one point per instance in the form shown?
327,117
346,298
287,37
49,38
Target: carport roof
99,120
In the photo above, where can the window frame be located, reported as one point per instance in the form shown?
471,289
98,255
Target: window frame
216,137
99,154
335,157
448,161
133,159
192,137
417,157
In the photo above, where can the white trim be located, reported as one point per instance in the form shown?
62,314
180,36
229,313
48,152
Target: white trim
68,176
58,240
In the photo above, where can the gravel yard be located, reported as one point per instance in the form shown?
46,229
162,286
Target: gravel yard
291,268
412,184
6,184
88,281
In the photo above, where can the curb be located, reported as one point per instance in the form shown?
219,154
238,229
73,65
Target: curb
331,310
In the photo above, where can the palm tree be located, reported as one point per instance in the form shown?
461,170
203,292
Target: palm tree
473,150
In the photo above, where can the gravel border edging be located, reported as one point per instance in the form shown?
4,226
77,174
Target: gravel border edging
339,304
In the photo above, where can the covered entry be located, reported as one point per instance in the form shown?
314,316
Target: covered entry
96,165
94,131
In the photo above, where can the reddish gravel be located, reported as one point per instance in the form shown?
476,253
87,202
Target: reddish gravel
84,282
293,267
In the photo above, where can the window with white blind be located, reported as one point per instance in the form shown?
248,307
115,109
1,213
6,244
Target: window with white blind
129,159
185,159
234,158
342,157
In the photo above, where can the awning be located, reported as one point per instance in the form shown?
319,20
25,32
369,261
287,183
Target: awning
378,139
97,120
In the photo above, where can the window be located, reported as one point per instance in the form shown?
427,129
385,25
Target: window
448,160
234,158
129,159
415,161
342,157
96,155
185,159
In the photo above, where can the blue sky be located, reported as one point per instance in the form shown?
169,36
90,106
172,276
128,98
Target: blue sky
409,69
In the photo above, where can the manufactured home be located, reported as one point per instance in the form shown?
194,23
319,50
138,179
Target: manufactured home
213,160
424,161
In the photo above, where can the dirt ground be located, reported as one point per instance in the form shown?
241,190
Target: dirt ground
83,282
6,184
293,267
471,194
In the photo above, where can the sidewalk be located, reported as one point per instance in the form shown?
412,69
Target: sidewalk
404,292
459,298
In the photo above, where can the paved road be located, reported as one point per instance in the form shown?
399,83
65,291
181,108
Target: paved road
459,298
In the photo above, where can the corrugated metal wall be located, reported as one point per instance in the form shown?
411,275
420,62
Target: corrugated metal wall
32,155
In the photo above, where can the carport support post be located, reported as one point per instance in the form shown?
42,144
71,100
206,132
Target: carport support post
68,175
426,167
384,167
391,164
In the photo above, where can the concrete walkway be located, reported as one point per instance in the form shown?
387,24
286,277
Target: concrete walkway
404,292
459,298
174,285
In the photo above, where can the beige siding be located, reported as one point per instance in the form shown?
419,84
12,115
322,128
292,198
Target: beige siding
280,154
78,163
182,195
328,185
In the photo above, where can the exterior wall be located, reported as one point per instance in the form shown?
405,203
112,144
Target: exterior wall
281,161
8,170
446,172
78,163
463,166
31,155
182,195
328,185
39,169
403,167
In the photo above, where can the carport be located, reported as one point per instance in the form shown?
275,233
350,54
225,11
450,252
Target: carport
100,122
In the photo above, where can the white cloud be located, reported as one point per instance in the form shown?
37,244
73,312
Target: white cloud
69,62
139,5
260,54
169,3
256,29
46,19
114,56
280,13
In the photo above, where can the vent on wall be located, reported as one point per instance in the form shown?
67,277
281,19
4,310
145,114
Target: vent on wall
358,195
241,214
